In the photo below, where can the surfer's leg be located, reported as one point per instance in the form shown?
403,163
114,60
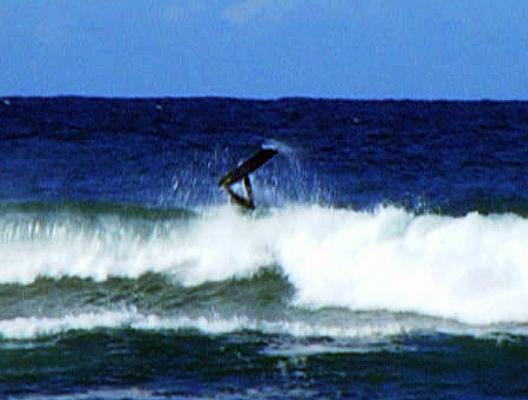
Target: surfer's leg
237,199
249,191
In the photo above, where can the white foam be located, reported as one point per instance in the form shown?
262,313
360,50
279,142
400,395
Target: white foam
472,268
33,327
24,328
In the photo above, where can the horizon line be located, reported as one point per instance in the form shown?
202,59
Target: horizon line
265,98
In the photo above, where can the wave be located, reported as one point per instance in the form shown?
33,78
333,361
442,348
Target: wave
33,327
471,268
353,332
367,329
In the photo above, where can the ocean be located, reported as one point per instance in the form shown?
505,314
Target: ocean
387,256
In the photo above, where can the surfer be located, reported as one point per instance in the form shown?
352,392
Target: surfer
241,173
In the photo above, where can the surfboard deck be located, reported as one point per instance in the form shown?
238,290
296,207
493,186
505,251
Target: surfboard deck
247,167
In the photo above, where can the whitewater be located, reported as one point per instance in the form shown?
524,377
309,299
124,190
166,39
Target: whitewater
471,268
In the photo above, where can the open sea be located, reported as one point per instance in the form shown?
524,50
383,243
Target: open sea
387,257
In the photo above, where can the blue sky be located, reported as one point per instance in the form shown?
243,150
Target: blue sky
370,49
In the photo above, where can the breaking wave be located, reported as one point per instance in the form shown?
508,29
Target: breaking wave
472,268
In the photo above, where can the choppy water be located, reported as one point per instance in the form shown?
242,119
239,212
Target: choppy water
388,256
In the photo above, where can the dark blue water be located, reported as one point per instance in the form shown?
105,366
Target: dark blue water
387,257
458,156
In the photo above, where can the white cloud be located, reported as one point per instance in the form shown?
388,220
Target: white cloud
178,11
246,11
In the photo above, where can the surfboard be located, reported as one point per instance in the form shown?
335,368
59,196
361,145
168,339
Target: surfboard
247,167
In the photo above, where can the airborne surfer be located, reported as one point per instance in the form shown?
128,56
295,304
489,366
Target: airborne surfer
241,173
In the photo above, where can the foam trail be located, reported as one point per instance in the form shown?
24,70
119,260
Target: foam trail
24,328
473,268
364,331
33,327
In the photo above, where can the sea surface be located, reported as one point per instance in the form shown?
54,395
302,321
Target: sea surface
387,256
